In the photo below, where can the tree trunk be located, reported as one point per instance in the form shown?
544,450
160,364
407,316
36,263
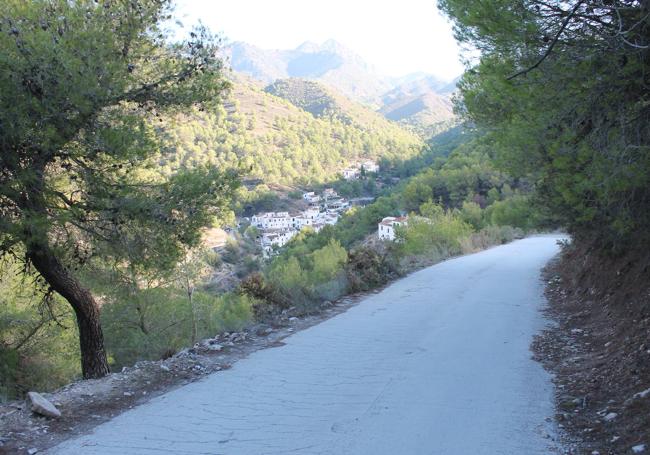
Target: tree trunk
91,339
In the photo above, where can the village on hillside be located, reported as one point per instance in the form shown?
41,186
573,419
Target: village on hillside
276,229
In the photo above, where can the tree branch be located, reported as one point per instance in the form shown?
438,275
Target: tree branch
553,43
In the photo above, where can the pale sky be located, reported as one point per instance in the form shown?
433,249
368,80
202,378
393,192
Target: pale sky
397,36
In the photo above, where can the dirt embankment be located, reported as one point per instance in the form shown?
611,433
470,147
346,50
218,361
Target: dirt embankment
600,349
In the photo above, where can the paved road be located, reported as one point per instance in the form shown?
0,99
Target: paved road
438,363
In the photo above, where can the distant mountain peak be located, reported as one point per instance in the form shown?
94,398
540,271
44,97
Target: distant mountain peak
330,63
334,46
417,98
309,46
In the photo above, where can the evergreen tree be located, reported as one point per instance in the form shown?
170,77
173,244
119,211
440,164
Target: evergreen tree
81,82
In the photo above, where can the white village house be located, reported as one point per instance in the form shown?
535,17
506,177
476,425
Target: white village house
311,197
312,213
370,166
386,228
350,173
277,228
300,220
338,205
277,238
272,220
330,218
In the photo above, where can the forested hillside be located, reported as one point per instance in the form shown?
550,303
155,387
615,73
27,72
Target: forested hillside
279,142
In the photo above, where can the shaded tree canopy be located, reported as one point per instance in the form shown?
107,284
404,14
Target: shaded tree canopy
81,84
562,88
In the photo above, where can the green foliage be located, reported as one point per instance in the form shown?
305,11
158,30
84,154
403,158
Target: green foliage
252,232
368,269
472,214
468,172
441,235
229,313
315,276
79,87
156,322
562,91
289,274
38,348
515,211
287,145
327,262
232,252
82,85
489,236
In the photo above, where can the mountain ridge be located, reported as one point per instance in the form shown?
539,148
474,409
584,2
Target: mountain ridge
418,100
329,62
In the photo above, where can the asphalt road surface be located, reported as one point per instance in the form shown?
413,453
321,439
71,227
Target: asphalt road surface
438,363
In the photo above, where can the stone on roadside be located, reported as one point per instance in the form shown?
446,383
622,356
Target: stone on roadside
638,448
41,406
642,394
611,416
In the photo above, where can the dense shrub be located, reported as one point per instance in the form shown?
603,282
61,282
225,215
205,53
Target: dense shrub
441,235
516,211
368,269
268,299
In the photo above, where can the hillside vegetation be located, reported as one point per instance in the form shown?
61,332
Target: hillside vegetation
563,92
461,203
275,140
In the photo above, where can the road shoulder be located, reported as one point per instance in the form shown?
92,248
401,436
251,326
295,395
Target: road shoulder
599,352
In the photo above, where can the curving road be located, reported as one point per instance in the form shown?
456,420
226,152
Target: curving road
438,363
